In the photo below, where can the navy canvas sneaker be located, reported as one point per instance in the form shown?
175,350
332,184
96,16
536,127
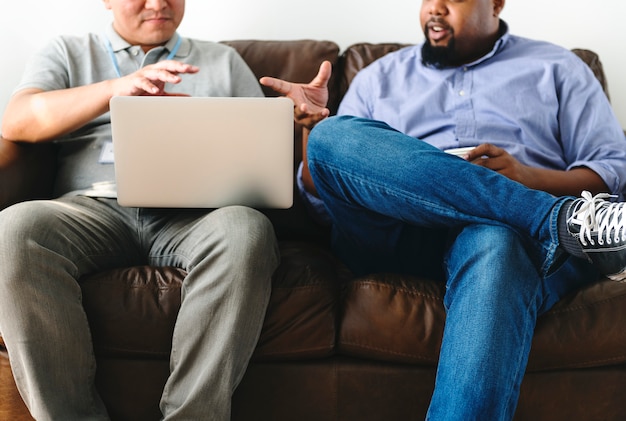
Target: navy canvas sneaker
600,227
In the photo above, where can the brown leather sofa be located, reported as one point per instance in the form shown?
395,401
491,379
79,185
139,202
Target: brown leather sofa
333,346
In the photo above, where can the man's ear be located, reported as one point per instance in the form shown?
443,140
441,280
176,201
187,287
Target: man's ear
498,5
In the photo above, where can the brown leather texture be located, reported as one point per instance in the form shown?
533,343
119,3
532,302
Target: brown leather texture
26,171
393,318
594,63
144,300
333,346
360,55
11,405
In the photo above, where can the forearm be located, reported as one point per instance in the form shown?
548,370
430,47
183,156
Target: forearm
306,175
33,115
567,183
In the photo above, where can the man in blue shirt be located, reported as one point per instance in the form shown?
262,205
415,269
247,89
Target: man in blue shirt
510,238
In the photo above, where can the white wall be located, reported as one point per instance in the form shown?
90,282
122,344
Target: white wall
599,26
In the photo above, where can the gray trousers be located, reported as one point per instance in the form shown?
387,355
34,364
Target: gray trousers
45,246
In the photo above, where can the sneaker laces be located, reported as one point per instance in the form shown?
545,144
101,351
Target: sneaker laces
595,214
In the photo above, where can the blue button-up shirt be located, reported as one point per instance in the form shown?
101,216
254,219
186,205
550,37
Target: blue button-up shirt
536,100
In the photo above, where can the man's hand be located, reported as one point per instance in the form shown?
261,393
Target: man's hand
35,115
151,80
497,159
310,100
556,182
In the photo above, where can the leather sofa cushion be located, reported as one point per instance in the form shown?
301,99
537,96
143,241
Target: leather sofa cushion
400,319
393,318
584,329
132,311
317,310
301,320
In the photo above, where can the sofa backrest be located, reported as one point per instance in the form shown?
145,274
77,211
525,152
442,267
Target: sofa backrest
360,55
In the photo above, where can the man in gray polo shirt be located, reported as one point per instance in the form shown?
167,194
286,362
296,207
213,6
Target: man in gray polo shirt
45,246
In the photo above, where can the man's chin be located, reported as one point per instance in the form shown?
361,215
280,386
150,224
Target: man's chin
438,55
155,38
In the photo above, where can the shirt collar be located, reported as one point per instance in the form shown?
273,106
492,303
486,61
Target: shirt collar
504,37
118,43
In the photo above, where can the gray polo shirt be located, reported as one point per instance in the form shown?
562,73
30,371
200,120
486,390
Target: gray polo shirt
71,61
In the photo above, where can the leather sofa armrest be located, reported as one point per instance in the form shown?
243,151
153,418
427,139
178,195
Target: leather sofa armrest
26,171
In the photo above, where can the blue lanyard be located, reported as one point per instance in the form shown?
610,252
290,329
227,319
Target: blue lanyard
117,66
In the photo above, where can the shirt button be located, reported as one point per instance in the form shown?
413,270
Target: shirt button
461,93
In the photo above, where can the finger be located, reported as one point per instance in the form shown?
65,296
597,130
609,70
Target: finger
148,87
281,86
161,75
481,160
482,150
323,75
174,66
303,111
494,164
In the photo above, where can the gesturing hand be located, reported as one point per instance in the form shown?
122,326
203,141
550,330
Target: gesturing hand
309,99
151,79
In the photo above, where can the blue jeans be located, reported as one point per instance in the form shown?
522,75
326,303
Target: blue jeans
45,247
399,204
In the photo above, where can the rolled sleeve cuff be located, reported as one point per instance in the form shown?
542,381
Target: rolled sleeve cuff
314,205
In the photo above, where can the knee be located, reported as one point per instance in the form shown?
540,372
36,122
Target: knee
490,254
490,242
246,231
245,251
490,268
320,139
333,137
20,234
20,224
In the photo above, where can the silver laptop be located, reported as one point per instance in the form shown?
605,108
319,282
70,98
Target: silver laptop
191,152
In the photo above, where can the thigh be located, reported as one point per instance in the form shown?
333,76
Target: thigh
185,238
89,233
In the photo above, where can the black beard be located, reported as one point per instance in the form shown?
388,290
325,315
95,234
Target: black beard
439,57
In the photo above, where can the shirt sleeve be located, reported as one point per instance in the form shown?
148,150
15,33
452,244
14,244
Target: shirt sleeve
47,69
245,82
314,205
358,97
590,132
